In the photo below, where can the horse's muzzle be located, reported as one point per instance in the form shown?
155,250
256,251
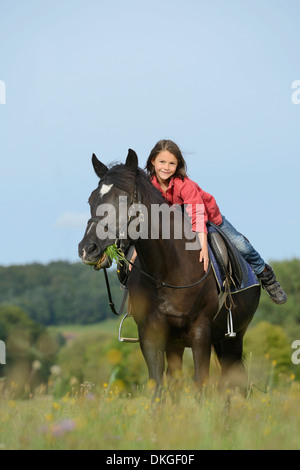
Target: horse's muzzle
91,254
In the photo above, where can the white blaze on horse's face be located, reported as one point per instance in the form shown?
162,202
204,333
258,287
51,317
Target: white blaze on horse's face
105,188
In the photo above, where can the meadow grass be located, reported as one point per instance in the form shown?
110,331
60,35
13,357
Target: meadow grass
100,417
105,416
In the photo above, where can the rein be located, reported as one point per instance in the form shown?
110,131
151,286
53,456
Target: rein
110,301
170,286
158,282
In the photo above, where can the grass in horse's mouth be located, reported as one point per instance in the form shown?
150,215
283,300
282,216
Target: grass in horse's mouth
114,253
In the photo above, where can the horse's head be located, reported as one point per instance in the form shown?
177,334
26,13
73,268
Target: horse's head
109,204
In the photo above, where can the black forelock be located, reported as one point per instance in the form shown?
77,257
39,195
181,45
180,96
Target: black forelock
128,180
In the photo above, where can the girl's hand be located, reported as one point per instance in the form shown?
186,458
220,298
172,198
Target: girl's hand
132,260
204,257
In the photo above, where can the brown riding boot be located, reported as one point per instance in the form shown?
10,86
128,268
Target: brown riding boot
272,286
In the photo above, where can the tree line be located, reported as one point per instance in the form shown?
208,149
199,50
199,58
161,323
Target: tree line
61,293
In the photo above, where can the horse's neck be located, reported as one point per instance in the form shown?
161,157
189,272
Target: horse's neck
171,249
153,254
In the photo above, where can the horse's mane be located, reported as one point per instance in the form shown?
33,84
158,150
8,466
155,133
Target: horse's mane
126,179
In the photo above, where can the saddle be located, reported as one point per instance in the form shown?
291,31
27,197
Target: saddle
227,261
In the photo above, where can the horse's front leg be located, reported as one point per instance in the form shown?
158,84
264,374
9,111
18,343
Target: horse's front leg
153,346
174,354
200,336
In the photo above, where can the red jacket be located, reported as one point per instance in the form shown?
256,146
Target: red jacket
201,206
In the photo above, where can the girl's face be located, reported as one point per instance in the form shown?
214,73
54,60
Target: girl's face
165,165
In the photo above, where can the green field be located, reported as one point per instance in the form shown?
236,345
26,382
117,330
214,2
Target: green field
90,402
110,420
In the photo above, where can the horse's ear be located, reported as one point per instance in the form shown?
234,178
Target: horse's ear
99,167
132,160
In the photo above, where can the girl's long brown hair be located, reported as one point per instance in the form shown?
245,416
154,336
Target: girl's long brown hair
173,148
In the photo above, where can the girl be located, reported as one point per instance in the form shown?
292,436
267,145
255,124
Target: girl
167,170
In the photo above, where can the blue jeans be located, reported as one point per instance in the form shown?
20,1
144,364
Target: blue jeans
243,246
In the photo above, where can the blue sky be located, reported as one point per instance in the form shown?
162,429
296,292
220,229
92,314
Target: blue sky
103,76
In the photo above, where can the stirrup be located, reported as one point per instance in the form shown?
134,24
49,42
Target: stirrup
230,333
121,338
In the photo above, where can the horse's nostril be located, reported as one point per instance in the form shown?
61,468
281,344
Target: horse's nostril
92,248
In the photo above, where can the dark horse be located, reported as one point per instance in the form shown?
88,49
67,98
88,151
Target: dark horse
168,319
